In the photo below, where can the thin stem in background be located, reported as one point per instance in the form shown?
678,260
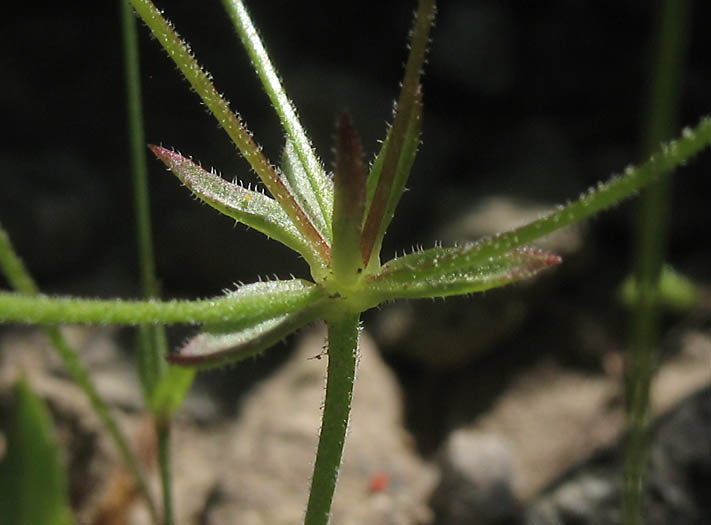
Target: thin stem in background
152,342
652,235
342,359
19,278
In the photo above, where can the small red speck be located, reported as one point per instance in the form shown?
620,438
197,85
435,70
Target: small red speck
379,482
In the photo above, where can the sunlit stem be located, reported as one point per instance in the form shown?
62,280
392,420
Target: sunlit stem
342,359
320,184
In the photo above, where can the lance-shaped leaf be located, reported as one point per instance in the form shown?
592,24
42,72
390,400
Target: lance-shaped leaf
33,485
170,391
316,183
201,82
402,173
251,208
421,275
225,344
375,222
348,204
298,183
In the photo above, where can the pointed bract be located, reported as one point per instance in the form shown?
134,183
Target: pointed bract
349,203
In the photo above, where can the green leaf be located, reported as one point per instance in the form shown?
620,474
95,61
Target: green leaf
318,184
298,183
675,291
251,208
170,391
221,344
348,205
376,221
33,485
430,273
402,173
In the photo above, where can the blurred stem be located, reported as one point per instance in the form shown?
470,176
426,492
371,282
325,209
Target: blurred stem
19,278
652,235
342,358
151,339
163,431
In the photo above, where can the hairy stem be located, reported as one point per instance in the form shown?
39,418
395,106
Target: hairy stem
18,276
152,342
652,234
15,308
342,359
320,185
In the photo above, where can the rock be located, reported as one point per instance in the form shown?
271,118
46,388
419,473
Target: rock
678,478
256,470
476,484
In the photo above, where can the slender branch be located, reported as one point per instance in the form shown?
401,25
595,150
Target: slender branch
342,359
152,341
605,195
163,433
15,308
137,145
320,184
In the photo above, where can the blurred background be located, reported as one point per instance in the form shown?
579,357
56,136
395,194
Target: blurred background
526,105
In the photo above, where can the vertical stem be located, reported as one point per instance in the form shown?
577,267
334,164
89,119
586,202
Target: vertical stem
342,358
163,431
652,233
151,339
137,146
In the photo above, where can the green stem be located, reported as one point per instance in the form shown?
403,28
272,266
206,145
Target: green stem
163,432
342,358
652,234
15,308
320,185
137,146
152,342
20,279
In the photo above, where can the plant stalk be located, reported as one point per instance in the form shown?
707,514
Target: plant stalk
342,359
152,342
652,236
163,434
